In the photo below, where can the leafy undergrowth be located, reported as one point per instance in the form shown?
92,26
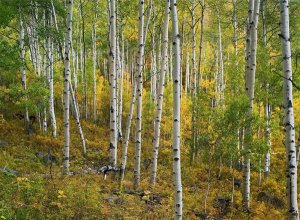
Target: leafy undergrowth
33,189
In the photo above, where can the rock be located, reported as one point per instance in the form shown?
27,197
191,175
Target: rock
110,199
8,171
201,215
119,201
113,199
150,199
46,157
222,203
30,131
270,199
3,144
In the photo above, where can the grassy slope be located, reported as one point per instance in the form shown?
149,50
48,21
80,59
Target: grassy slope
31,196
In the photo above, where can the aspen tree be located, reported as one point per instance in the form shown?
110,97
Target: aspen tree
50,78
178,204
250,82
139,81
112,82
44,71
94,45
291,172
266,101
202,3
66,96
187,73
23,72
77,117
160,92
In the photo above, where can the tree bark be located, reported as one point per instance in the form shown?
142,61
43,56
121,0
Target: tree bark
159,105
176,117
66,96
50,79
77,117
139,79
250,82
112,82
94,40
291,172
127,132
23,72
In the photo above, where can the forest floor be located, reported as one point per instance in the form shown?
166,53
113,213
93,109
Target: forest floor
33,188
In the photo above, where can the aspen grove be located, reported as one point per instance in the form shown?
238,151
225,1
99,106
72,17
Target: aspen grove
149,109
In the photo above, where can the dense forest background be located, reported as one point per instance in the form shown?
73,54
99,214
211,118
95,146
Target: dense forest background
149,109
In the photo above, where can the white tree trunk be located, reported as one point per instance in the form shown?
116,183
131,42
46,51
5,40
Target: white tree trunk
120,134
194,74
178,204
77,117
94,34
181,55
153,67
159,105
139,79
23,73
187,73
291,172
44,72
201,43
60,47
50,79
267,111
127,132
250,82
222,81
297,149
66,96
113,86
234,27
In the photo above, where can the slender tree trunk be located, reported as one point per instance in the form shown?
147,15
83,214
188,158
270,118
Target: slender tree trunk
94,64
222,81
67,81
297,149
76,52
127,132
178,204
57,30
234,27
50,76
181,55
112,82
201,43
246,159
291,172
139,79
84,62
120,134
159,105
187,73
44,72
153,67
23,72
250,77
194,74
77,117
266,101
